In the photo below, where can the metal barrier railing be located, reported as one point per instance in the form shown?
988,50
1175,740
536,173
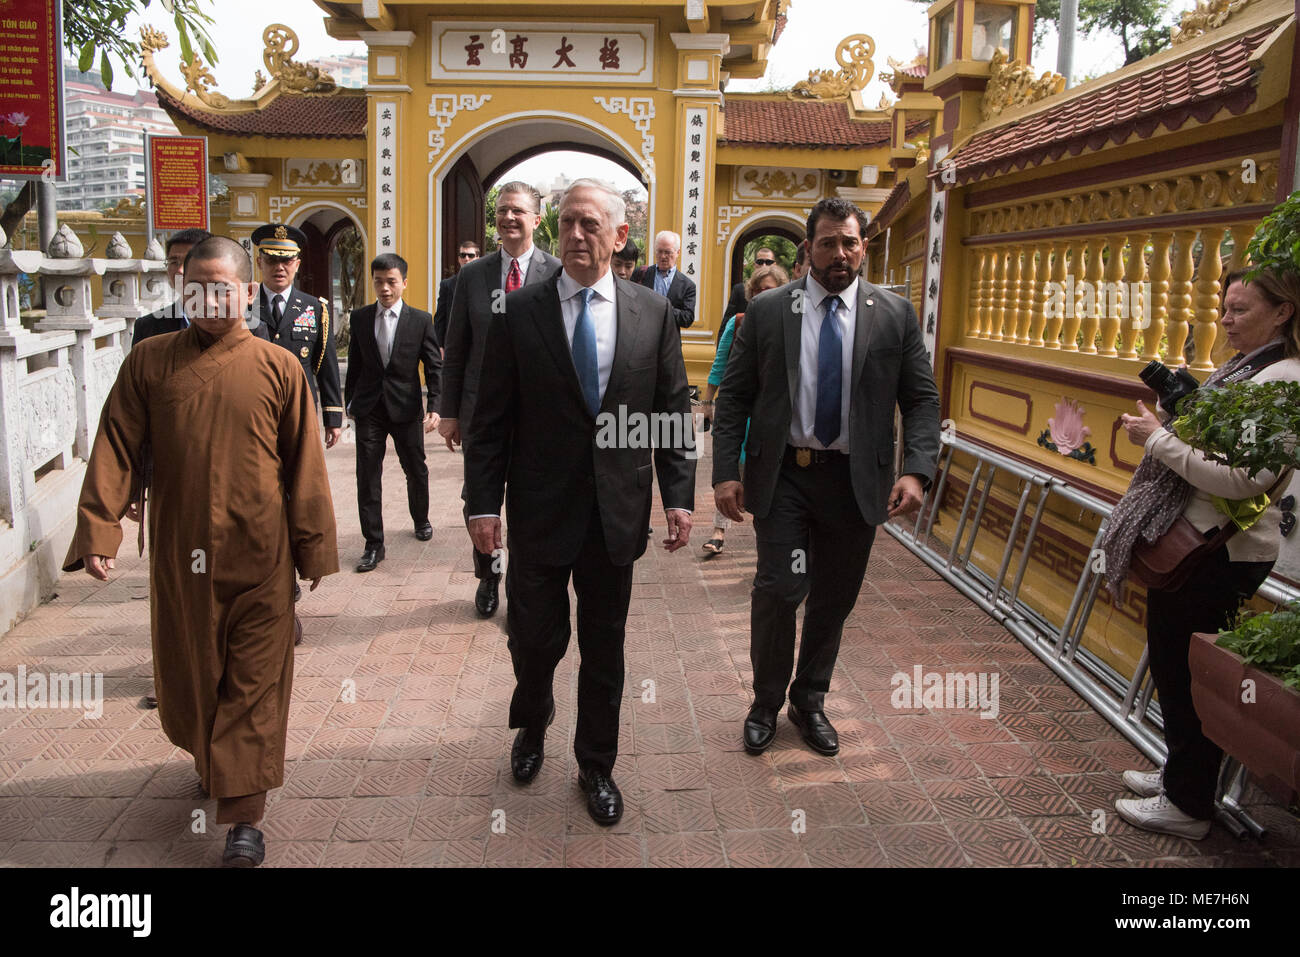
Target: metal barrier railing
1124,701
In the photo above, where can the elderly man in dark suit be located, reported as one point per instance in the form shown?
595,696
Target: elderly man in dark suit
481,288
171,317
817,368
666,279
574,361
390,341
466,253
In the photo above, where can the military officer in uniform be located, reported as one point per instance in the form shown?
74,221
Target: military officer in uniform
299,322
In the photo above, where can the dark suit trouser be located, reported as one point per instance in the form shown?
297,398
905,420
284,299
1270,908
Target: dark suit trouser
372,433
813,543
485,566
1205,603
537,620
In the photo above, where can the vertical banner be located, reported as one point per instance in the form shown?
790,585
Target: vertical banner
32,142
384,132
937,224
696,167
177,178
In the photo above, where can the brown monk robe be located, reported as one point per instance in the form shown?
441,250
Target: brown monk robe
239,497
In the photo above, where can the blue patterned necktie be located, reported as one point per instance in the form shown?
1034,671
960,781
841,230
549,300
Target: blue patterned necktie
584,353
830,373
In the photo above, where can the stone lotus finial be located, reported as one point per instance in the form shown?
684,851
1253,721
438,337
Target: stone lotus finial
65,245
118,247
154,250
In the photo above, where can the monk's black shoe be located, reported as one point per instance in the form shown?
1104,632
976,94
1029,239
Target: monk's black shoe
485,599
370,558
244,847
527,753
816,730
760,729
424,532
604,799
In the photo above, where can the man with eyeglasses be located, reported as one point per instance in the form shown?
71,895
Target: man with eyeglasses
763,256
670,282
171,317
481,287
466,254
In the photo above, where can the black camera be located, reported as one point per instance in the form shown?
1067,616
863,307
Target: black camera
1170,387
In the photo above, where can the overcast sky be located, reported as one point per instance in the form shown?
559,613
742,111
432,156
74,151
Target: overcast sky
814,29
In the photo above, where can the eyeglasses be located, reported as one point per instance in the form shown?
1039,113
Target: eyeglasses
466,255
764,262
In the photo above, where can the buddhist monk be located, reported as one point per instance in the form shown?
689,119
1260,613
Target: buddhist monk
239,498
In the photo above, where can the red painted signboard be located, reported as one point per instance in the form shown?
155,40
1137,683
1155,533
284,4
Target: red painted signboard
31,89
178,182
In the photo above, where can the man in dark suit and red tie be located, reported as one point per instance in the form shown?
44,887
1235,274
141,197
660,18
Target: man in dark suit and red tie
480,290
666,279
390,341
573,360
816,371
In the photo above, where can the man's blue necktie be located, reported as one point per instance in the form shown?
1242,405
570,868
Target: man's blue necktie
830,373
584,353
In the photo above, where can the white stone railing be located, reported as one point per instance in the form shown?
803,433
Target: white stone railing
54,377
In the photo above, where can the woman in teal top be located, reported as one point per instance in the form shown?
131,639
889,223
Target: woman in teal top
761,280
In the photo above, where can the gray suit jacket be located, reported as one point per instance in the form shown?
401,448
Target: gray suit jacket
890,368
471,314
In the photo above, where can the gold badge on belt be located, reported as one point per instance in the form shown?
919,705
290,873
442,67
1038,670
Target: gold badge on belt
803,458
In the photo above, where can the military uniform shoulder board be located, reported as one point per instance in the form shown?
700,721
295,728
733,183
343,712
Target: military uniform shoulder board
324,331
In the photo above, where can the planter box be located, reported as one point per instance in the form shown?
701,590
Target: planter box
1263,735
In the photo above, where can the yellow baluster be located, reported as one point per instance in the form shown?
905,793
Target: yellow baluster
1029,298
1180,296
1137,296
1160,243
975,263
1115,303
1207,296
1011,306
999,304
1092,318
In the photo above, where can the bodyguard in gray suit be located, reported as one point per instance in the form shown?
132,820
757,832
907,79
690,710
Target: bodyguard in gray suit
817,369
480,289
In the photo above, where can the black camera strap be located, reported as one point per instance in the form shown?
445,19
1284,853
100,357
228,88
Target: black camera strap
1248,366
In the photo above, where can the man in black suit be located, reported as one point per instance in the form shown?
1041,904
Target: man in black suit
665,279
817,369
298,322
390,341
574,360
736,303
465,254
481,288
171,317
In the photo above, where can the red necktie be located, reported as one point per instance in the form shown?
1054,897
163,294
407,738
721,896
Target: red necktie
513,278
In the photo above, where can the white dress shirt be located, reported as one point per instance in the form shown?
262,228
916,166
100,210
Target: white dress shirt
386,327
507,259
604,319
805,407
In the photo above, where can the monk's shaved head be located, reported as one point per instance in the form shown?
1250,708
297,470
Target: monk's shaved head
222,248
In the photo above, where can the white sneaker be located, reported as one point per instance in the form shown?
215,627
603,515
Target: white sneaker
1144,783
1158,814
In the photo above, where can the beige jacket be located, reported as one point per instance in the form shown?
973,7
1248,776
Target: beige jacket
1262,541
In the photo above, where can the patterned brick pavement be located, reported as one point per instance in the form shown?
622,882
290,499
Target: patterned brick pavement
417,770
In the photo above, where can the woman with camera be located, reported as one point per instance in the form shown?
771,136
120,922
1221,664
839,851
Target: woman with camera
1260,322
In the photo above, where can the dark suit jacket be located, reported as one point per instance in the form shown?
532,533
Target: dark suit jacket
442,310
398,383
167,319
890,368
533,429
681,293
471,311
306,325
736,303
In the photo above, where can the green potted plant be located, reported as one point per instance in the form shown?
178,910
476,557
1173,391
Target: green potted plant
1246,687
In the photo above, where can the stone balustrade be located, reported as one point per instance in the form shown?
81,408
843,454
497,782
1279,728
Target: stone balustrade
54,376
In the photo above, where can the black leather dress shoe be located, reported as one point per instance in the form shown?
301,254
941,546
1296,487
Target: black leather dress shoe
424,532
816,730
604,799
485,599
370,558
244,847
527,753
760,729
